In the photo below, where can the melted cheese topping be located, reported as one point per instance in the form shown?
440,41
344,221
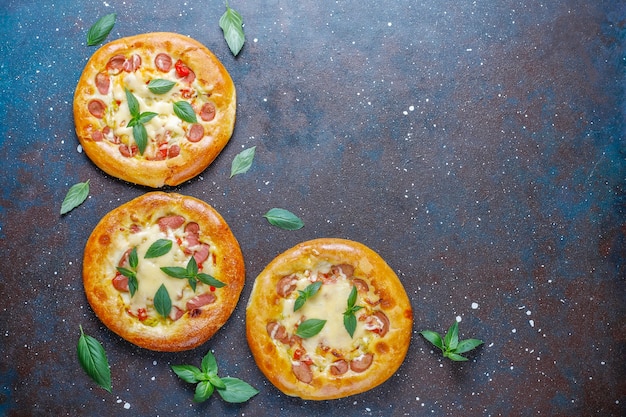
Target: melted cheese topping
329,304
149,274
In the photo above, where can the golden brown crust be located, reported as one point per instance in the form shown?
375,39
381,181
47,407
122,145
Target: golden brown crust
102,252
265,306
212,84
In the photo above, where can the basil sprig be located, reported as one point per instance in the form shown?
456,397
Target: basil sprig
305,294
75,196
159,248
309,328
93,360
231,23
232,390
160,86
162,301
191,274
185,112
284,219
101,29
131,273
450,345
137,121
349,317
242,161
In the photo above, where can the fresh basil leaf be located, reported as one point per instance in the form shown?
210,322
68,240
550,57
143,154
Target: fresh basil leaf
284,219
192,283
467,345
231,23
209,363
309,328
204,389
100,30
162,301
455,357
133,285
175,272
242,161
451,340
145,117
133,104
141,137
159,248
192,267
236,390
187,373
216,381
433,337
160,86
349,322
185,112
209,280
352,297
307,293
133,259
93,360
75,196
125,271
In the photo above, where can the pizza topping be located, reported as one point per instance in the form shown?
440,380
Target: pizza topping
362,362
116,64
132,64
286,285
302,371
96,107
182,70
207,112
277,331
170,222
377,323
103,83
339,367
201,300
128,151
163,62
173,151
120,282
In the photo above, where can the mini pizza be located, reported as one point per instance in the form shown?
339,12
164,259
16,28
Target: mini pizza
163,271
154,109
327,319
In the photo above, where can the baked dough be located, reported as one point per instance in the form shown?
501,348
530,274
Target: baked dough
176,150
196,231
330,364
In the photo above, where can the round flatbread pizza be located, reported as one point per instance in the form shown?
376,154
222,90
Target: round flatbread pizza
154,109
327,319
163,271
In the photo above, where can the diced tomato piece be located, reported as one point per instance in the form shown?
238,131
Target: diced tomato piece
182,70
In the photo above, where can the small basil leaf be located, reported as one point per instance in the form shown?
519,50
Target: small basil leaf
133,104
160,86
187,373
133,285
75,196
242,161
192,267
100,30
284,219
93,360
162,301
349,322
209,363
145,117
175,272
352,297
209,280
231,23
192,283
141,137
159,248
236,390
125,271
216,381
451,340
455,357
133,259
309,328
467,345
433,337
204,389
185,112
308,292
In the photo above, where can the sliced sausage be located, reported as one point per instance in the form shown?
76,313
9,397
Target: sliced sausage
103,82
116,63
202,253
339,367
207,112
96,107
170,222
163,62
378,323
201,300
195,133
286,285
277,331
176,313
361,285
302,371
120,283
173,151
361,363
347,270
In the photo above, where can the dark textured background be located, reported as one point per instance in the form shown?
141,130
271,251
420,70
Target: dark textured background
478,146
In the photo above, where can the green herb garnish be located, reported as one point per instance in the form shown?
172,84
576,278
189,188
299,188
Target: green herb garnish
160,86
137,121
185,112
162,301
309,328
349,317
305,294
131,273
75,196
284,219
158,248
191,274
93,360
450,344
231,23
232,390
242,161
101,29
